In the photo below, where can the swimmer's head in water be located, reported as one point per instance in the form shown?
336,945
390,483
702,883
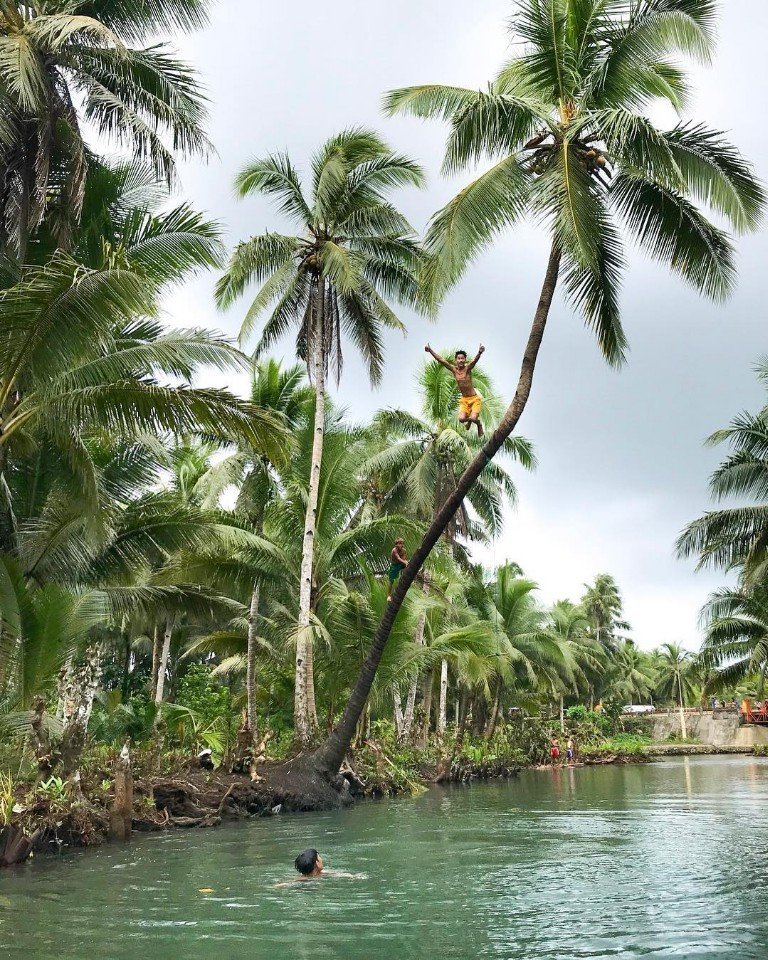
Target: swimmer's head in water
309,862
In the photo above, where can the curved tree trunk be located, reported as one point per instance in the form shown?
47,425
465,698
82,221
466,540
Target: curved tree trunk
250,665
303,718
327,760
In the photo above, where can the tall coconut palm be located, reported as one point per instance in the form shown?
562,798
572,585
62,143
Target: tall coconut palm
65,65
603,605
567,626
354,252
675,679
629,674
736,537
736,636
283,393
530,654
565,125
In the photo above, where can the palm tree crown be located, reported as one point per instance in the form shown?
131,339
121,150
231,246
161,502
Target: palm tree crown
354,252
736,537
736,636
64,64
565,125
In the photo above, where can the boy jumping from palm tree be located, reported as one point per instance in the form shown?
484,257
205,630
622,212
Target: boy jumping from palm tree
470,401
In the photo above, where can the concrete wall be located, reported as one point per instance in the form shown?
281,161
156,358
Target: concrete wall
720,728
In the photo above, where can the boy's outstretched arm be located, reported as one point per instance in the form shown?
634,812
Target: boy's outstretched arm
480,352
440,360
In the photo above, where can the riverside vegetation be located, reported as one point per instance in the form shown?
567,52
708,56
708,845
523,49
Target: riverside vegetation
183,569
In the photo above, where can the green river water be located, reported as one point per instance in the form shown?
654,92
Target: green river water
664,860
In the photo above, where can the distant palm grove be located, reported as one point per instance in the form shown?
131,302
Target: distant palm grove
186,567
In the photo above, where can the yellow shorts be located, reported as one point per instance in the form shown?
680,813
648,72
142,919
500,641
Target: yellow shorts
471,406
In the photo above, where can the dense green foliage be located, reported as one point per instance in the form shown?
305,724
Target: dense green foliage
184,568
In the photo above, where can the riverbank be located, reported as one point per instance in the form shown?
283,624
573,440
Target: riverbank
170,791
699,750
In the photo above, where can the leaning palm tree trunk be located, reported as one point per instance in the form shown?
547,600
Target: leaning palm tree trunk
250,666
329,757
304,709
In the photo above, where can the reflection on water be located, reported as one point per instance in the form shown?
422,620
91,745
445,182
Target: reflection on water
667,860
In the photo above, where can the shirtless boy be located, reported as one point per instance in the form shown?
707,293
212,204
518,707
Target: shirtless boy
398,563
470,401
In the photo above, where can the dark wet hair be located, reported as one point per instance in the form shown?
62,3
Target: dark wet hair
462,353
306,860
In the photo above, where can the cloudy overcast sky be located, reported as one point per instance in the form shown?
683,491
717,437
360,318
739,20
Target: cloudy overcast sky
622,467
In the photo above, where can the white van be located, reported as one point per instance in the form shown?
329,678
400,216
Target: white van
639,708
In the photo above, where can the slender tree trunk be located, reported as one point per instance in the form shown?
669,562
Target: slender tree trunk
443,701
429,682
494,717
329,757
25,204
398,713
562,715
8,537
250,666
311,702
683,727
410,702
162,665
125,685
157,646
461,726
303,721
